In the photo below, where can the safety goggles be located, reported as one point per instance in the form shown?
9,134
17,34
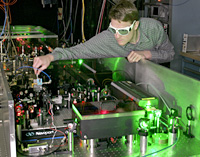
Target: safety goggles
121,31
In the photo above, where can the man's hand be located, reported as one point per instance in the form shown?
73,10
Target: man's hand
42,63
136,56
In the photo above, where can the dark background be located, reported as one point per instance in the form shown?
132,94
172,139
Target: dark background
32,12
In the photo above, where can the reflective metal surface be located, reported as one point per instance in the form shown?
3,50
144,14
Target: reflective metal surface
121,68
7,121
28,31
177,90
96,118
173,89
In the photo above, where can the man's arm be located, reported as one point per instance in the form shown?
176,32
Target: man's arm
163,52
103,45
154,43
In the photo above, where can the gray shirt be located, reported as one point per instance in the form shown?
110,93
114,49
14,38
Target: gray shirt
104,45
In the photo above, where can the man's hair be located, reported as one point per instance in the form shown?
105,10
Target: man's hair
124,10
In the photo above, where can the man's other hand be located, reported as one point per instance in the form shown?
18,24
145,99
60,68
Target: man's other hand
136,56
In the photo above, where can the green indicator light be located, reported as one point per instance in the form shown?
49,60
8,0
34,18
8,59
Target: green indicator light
143,125
123,139
76,120
76,112
117,114
148,103
147,107
94,90
80,61
171,121
158,113
151,116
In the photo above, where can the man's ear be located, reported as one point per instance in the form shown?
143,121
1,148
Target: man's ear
136,25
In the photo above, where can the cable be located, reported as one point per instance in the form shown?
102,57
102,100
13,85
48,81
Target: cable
157,93
180,3
63,21
99,18
55,129
9,3
5,34
75,15
126,73
6,52
36,69
82,28
9,15
14,47
107,79
102,15
111,2
4,21
31,155
58,26
69,20
70,31
52,123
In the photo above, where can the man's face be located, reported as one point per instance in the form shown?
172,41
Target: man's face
122,39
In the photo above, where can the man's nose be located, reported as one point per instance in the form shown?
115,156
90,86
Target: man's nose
117,35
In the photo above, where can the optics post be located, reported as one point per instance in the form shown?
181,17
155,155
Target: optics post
143,132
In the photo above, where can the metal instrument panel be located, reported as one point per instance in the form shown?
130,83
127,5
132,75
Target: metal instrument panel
28,31
7,122
184,147
120,120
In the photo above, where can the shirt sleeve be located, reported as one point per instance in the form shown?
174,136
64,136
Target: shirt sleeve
102,45
164,50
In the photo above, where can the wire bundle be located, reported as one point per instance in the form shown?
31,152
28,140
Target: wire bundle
69,21
4,6
101,17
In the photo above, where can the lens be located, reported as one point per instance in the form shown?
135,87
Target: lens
123,31
120,31
112,30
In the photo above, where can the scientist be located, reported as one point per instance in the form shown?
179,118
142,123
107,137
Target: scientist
127,36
